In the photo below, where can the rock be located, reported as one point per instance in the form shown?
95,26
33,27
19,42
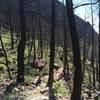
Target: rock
58,73
38,97
56,66
16,89
38,63
45,91
22,88
30,88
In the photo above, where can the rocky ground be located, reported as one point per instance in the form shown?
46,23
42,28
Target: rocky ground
9,90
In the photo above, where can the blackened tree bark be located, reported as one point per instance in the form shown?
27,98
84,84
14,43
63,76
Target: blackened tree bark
33,38
10,24
84,53
40,31
22,42
11,33
32,45
99,45
52,44
92,53
28,38
66,68
76,94
96,59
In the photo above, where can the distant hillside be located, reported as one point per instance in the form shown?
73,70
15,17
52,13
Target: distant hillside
32,19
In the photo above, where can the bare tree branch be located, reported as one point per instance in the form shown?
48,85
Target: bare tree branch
85,4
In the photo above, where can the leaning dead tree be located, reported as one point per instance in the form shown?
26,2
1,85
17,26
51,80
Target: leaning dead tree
6,59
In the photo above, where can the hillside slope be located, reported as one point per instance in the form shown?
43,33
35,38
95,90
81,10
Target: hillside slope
9,10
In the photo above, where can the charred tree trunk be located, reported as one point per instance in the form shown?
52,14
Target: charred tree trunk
40,31
22,42
5,54
76,94
31,46
10,24
52,44
28,39
99,45
66,68
92,53
41,47
34,47
11,33
96,59
84,54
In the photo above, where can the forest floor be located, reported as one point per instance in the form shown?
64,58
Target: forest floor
62,88
9,90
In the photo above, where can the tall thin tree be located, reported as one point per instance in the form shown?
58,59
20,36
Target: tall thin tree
76,94
52,44
66,68
99,45
22,42
40,31
10,23
92,53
